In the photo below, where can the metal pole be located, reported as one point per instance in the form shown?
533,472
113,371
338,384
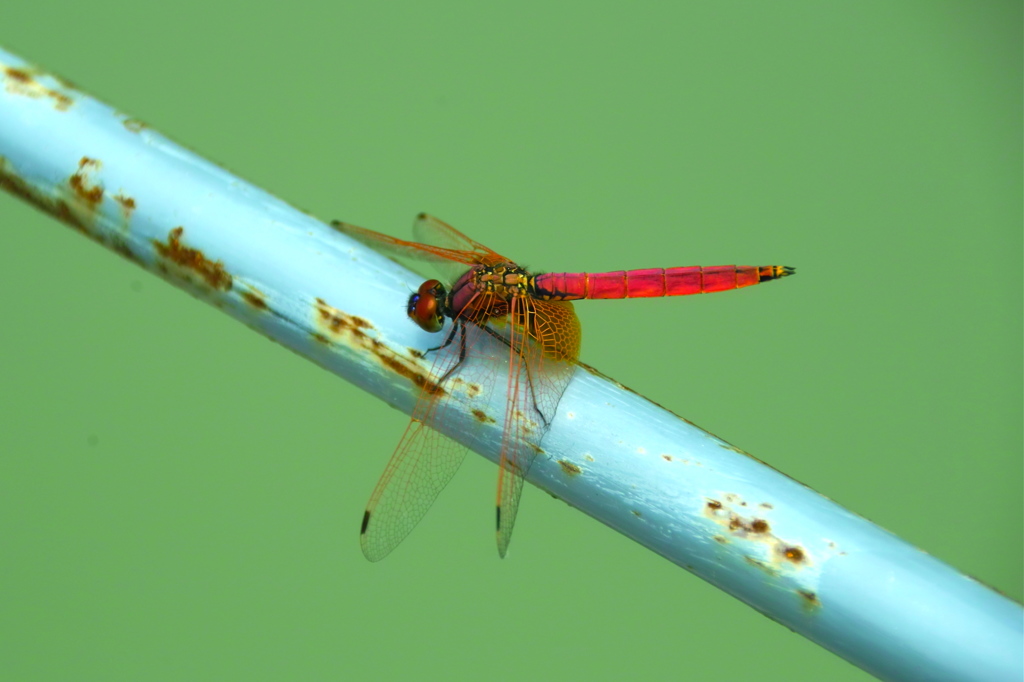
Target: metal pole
705,505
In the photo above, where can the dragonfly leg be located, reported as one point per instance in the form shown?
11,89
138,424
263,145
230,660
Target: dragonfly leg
501,338
448,341
462,349
529,378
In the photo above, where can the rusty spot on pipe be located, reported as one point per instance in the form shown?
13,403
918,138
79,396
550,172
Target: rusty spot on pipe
254,297
569,468
810,600
483,417
418,378
70,208
17,75
133,125
759,526
754,532
336,324
212,272
127,206
336,321
22,81
80,182
794,554
11,182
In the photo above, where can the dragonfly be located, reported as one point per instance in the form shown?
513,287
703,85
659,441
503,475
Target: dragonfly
510,330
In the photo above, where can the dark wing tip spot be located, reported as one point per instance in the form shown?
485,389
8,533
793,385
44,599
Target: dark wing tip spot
366,522
498,517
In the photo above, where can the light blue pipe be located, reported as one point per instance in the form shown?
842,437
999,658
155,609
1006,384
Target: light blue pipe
780,547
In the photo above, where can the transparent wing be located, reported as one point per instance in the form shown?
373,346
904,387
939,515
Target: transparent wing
425,460
451,263
438,233
421,466
544,342
526,350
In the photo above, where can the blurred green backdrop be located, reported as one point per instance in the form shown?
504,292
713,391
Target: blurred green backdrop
179,498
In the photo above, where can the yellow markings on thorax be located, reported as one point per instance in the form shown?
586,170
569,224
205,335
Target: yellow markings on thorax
503,281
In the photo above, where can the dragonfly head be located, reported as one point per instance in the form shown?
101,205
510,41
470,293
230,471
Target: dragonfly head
426,305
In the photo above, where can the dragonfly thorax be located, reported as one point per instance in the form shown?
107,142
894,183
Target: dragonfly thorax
503,281
482,288
487,289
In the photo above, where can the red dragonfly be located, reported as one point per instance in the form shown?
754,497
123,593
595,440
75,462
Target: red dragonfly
504,320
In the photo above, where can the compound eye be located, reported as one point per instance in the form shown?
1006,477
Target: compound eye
425,306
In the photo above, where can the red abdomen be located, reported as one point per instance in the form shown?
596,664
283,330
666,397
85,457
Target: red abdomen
565,286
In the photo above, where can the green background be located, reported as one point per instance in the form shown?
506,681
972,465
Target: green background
179,497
